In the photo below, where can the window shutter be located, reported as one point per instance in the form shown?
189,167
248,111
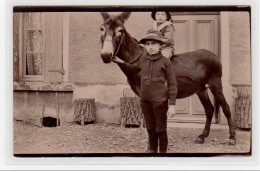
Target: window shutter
16,57
54,69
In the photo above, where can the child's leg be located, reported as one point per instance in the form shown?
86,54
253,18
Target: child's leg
147,110
153,140
163,141
160,113
167,53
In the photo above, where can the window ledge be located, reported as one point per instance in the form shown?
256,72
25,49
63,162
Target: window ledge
42,86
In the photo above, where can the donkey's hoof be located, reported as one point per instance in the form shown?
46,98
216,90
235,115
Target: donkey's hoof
199,141
232,142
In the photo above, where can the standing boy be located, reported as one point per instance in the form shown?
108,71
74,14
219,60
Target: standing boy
155,71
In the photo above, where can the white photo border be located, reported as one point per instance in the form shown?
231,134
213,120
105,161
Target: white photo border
9,162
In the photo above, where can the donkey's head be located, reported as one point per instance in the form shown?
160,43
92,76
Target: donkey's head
112,34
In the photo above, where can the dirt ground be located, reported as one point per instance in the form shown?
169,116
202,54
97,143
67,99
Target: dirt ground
109,138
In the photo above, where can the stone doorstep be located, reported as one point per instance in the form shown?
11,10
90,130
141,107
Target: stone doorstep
195,125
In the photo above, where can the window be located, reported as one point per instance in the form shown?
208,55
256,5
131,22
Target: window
40,47
33,46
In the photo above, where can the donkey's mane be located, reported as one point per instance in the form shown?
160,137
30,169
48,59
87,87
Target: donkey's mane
134,39
128,39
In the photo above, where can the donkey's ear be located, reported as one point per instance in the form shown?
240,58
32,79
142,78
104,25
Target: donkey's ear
105,15
124,16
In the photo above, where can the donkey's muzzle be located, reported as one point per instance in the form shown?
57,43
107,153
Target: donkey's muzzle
106,57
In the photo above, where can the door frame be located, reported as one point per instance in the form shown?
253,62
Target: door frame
224,54
65,37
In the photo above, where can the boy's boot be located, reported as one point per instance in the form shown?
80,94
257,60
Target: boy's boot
153,141
163,141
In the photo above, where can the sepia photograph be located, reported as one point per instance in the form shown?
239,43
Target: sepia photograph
139,81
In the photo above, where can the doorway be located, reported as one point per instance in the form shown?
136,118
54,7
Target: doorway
192,32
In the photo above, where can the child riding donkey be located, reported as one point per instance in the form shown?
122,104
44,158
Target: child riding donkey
163,24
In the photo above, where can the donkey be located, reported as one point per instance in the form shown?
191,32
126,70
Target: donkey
194,70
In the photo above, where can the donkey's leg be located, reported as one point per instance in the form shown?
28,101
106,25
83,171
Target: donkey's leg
215,86
209,109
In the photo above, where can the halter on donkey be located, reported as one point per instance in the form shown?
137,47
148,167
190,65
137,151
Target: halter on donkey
193,70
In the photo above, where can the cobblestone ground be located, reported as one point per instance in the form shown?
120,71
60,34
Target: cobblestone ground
107,138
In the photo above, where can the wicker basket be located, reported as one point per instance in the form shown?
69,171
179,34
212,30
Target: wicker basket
84,110
243,116
130,109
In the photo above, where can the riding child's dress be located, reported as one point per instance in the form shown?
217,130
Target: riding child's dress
167,31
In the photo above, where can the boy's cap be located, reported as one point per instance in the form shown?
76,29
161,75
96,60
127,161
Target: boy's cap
152,35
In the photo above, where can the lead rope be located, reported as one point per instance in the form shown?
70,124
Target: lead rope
119,45
120,39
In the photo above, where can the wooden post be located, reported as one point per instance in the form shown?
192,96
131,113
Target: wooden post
57,109
82,120
142,123
43,107
122,122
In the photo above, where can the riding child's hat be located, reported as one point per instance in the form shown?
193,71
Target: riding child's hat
168,15
152,35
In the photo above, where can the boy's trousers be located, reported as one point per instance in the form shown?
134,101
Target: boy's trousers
155,114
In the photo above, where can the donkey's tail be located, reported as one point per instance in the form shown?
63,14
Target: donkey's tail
217,105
